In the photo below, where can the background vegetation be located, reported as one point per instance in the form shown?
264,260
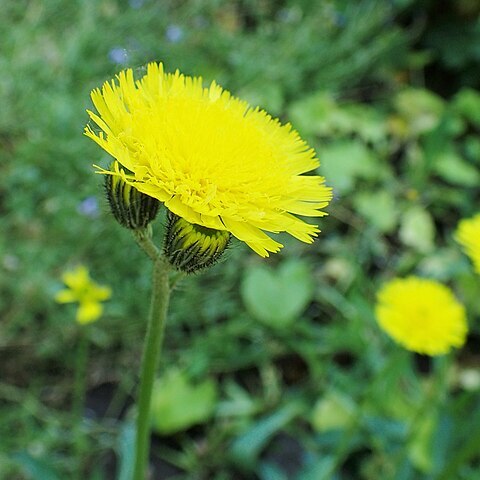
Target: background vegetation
273,369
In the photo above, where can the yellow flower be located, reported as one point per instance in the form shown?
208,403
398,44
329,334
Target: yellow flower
422,315
86,292
208,156
468,236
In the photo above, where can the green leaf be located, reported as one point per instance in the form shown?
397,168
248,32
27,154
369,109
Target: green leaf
333,411
467,103
454,169
277,297
421,109
313,115
238,402
36,468
417,229
379,208
472,148
442,264
246,448
178,404
343,162
319,114
368,123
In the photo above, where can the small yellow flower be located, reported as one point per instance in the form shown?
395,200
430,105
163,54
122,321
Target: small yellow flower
421,315
209,157
468,236
86,292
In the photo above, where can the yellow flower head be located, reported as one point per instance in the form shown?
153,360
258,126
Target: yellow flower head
468,236
86,292
208,156
422,315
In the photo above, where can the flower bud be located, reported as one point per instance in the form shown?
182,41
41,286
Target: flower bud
131,208
190,247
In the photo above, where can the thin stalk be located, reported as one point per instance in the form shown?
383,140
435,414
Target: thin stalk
79,393
143,238
151,355
432,399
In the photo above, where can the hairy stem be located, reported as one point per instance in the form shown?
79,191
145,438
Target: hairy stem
151,355
143,238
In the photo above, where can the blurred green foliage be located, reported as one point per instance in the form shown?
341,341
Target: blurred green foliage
306,385
177,404
277,297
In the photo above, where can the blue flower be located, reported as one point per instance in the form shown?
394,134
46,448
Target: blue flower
174,33
88,207
118,55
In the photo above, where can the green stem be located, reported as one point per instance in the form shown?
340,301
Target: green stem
175,280
433,398
151,355
144,239
79,392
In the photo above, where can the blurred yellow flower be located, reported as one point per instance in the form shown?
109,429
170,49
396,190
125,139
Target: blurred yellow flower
209,157
468,236
421,315
86,292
